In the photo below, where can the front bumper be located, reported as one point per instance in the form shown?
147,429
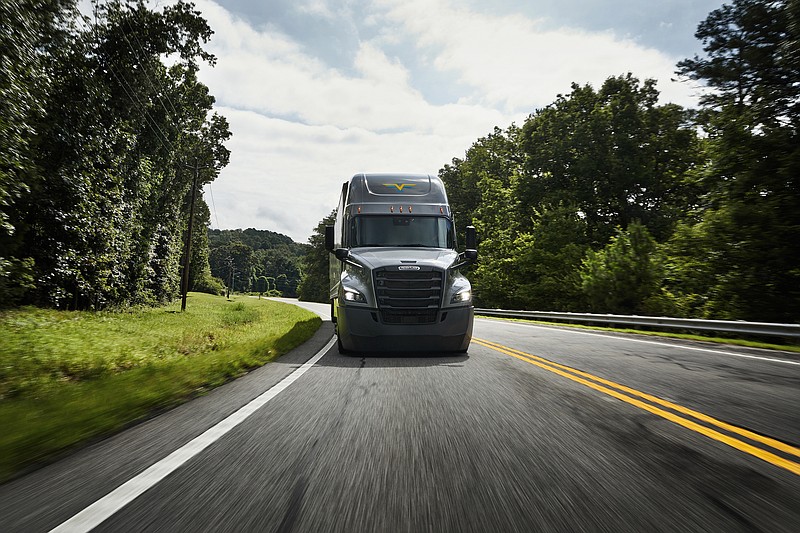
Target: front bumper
360,329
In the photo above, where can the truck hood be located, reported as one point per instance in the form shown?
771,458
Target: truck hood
380,257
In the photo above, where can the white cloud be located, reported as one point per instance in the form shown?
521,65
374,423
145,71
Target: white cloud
285,176
301,128
270,74
519,63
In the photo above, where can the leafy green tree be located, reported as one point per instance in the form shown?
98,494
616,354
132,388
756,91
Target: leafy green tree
622,276
746,227
233,260
479,192
497,155
271,290
103,215
28,30
494,279
274,254
314,284
614,153
200,277
262,285
542,195
548,261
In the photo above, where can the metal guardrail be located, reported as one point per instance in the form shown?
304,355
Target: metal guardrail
728,326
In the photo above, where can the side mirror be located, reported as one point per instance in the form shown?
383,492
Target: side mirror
343,255
471,253
329,238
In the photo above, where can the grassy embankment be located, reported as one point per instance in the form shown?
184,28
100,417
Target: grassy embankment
66,377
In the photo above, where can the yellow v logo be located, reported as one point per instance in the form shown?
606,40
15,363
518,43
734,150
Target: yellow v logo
399,186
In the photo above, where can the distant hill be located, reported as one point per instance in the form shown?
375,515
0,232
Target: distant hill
241,257
257,239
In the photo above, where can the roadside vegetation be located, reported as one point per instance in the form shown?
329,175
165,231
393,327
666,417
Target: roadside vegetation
69,376
609,201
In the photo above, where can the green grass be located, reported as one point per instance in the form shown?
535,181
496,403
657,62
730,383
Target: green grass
674,335
66,377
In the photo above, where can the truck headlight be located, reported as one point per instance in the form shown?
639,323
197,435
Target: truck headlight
352,295
461,297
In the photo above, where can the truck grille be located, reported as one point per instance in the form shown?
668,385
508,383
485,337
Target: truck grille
408,296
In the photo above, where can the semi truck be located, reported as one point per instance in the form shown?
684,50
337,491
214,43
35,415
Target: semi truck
395,283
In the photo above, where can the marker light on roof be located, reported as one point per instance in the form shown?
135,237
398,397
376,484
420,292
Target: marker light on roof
391,209
401,208
409,209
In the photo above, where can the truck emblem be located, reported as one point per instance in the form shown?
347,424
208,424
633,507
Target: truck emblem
399,186
408,267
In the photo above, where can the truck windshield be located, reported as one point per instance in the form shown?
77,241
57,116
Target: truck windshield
428,232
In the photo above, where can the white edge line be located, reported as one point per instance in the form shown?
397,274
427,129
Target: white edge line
785,361
112,502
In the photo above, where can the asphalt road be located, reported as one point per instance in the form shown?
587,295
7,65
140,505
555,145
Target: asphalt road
535,429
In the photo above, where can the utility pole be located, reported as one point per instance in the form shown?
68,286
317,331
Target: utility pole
230,277
188,248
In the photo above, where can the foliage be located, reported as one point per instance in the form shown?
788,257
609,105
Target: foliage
254,238
69,376
242,257
480,194
622,276
613,153
26,28
543,195
549,256
315,287
571,207
99,195
737,256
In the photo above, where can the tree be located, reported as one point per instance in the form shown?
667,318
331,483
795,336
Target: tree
233,260
496,155
747,226
314,285
273,255
100,220
28,28
624,274
613,153
548,260
479,192
542,195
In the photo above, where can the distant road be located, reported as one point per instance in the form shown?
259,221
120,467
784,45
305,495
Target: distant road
537,428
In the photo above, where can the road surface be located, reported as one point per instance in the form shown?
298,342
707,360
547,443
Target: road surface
537,428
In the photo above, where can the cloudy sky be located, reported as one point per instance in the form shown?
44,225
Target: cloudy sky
318,90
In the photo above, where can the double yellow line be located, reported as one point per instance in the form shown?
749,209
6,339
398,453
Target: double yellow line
640,399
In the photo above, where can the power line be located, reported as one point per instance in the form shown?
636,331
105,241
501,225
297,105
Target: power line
157,91
213,207
131,93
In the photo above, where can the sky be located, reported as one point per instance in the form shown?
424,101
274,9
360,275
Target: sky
318,90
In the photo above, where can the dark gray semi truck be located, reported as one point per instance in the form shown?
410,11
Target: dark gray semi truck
394,267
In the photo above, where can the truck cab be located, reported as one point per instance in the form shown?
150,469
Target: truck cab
394,267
